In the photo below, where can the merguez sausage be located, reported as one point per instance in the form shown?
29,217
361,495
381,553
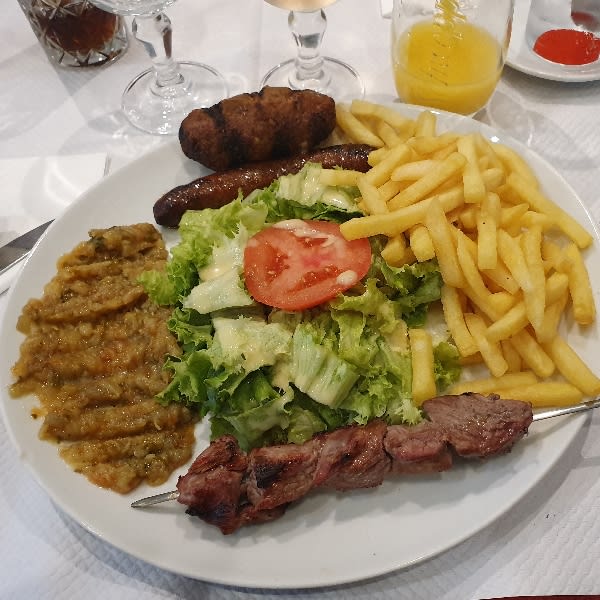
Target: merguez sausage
217,189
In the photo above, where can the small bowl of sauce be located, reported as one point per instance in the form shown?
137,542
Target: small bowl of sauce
564,32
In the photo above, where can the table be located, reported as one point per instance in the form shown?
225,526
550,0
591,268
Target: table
548,544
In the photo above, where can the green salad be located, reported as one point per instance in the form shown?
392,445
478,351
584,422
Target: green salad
271,375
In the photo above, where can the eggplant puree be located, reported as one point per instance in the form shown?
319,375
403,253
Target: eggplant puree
93,355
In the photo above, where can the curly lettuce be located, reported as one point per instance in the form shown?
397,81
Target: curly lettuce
269,376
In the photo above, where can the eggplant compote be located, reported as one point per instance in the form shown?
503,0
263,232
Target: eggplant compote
93,355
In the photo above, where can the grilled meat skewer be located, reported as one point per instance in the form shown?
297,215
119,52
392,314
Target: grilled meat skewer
229,488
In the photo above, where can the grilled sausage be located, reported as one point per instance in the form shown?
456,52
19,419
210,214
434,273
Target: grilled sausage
273,123
217,189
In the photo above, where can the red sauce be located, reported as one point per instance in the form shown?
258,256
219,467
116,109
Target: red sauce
568,46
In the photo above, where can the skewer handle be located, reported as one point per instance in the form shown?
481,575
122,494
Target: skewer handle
557,412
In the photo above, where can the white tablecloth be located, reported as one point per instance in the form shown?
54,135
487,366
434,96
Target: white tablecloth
548,544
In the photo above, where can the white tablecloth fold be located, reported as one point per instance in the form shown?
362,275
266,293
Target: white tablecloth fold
37,189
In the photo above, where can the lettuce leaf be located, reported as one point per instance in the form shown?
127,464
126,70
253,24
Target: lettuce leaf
446,365
270,376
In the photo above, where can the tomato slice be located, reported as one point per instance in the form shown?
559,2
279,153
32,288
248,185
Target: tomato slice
298,264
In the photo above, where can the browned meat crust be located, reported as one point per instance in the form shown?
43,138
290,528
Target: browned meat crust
280,474
215,488
419,449
217,189
272,123
215,482
489,426
352,457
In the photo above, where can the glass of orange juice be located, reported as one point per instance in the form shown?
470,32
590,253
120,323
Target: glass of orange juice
449,54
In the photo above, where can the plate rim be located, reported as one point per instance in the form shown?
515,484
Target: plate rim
572,427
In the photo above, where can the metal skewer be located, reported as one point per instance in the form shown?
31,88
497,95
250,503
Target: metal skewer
547,414
557,412
151,500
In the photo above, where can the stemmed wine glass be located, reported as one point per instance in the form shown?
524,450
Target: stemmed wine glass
310,70
158,99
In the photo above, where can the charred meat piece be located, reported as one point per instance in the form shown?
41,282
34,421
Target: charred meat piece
217,189
353,457
212,488
280,474
272,123
480,426
250,515
229,489
421,448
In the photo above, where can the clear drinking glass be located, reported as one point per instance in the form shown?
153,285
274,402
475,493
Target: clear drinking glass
449,54
158,99
310,70
75,33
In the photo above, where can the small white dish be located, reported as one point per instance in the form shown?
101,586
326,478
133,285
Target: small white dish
522,58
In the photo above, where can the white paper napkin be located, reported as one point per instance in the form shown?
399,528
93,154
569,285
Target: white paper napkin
386,8
37,189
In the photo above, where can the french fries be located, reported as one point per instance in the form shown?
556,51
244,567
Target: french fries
512,260
423,382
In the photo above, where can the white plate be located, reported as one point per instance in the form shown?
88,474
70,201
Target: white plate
327,538
521,57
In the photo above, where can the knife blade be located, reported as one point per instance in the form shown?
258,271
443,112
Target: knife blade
19,248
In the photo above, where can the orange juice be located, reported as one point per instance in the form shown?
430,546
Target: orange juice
452,66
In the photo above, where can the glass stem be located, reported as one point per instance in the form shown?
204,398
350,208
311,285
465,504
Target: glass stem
154,33
308,29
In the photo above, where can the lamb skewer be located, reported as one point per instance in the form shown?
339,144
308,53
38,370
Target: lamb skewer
228,488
